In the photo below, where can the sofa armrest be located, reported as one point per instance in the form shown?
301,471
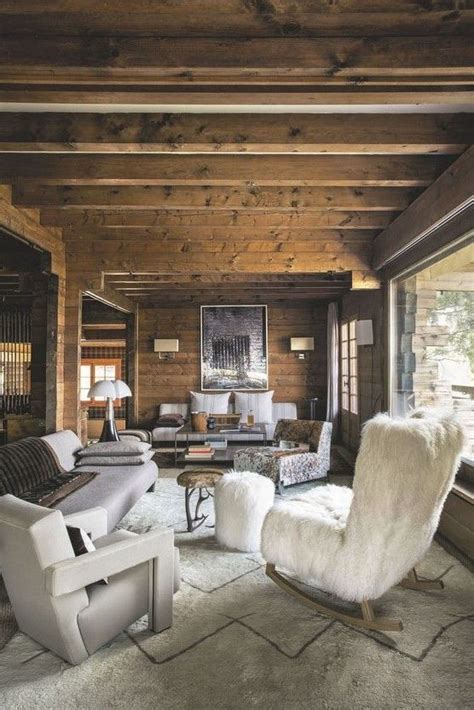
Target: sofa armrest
93,521
76,573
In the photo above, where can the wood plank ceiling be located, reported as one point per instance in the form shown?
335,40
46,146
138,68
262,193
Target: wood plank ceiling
241,150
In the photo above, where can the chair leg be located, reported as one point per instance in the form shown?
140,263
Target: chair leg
412,581
162,582
368,620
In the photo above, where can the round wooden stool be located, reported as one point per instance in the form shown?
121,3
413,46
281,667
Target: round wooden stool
197,479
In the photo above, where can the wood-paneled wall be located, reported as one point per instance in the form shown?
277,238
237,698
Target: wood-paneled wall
291,379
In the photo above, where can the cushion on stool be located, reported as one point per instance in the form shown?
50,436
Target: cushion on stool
242,499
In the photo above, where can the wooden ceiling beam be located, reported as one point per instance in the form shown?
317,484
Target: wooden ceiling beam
310,18
228,220
258,199
239,237
242,133
237,248
444,95
295,170
261,280
203,59
449,196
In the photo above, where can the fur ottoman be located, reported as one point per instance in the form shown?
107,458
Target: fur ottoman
242,499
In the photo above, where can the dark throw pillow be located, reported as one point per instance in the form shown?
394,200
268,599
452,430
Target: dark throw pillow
170,420
81,544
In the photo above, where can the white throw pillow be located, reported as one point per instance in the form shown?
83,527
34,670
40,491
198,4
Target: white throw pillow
210,403
259,402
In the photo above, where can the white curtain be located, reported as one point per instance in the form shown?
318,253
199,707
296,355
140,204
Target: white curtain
332,411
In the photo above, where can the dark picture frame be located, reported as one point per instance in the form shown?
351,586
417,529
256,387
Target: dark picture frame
234,348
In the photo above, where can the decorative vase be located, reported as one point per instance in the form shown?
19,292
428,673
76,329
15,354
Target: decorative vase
199,422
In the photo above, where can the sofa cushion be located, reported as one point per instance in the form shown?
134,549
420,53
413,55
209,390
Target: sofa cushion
116,488
210,403
115,448
65,445
259,402
132,460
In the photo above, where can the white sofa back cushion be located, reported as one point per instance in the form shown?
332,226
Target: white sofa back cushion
65,445
259,402
210,403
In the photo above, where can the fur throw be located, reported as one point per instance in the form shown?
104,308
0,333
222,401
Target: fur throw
359,543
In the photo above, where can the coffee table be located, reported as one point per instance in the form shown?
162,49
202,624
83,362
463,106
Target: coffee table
235,438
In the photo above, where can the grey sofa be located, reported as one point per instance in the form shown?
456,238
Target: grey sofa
116,488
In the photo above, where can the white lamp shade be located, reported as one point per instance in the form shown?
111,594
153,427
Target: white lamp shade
301,344
121,389
364,332
102,388
166,345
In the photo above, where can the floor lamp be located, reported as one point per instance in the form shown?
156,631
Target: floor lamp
111,390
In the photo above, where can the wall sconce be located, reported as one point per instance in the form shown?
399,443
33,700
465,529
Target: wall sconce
300,345
364,332
166,348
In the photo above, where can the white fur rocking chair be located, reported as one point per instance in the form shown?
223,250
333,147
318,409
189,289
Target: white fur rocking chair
357,544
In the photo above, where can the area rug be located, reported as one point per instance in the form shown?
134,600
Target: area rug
238,641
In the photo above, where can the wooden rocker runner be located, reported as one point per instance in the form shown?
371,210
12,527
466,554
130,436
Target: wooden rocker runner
359,543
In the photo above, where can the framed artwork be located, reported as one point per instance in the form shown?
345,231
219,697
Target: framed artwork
234,342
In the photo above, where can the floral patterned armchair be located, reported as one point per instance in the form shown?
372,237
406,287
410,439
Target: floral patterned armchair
285,467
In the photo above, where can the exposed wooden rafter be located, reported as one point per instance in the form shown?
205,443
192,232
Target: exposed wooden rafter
241,133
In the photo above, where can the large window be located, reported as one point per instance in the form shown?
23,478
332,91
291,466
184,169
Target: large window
94,370
432,339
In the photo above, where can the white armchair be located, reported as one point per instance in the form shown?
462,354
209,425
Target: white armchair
356,544
49,587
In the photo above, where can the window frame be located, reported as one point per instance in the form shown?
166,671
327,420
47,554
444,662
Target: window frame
100,362
349,322
392,277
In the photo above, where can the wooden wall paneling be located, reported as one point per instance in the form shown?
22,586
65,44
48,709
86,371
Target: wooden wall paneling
291,379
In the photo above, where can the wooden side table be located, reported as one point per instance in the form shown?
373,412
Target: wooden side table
201,480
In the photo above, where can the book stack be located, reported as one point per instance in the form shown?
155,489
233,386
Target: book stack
199,451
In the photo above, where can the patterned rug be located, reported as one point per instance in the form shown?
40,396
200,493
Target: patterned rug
238,641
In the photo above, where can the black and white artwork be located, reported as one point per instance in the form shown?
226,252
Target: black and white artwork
234,348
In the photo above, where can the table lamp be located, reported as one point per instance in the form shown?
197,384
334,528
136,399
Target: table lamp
111,390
